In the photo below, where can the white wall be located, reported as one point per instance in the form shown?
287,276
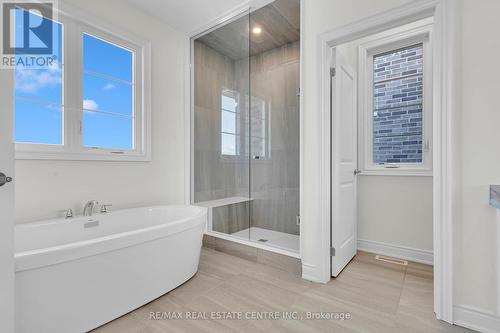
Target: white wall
396,210
475,273
43,188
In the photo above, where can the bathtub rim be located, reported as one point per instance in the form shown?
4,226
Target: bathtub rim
52,255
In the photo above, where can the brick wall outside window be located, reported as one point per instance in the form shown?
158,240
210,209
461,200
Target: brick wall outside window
397,106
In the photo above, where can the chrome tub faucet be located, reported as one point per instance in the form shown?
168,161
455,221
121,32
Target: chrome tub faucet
88,209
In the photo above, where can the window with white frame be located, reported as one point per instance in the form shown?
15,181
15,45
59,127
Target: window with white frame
396,103
108,95
234,140
88,105
38,98
258,128
230,123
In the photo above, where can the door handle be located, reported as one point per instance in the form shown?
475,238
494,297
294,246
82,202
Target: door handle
4,179
357,172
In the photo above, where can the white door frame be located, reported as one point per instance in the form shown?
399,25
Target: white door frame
445,125
6,204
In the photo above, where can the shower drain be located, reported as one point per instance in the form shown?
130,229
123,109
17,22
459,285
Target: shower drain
262,240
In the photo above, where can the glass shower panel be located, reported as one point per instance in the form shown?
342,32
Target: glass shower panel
274,124
220,148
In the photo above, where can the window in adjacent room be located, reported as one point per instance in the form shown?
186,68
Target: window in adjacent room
396,137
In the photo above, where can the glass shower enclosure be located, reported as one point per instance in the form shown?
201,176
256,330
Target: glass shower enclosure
245,126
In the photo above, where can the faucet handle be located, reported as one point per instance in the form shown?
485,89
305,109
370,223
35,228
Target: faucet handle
104,208
69,213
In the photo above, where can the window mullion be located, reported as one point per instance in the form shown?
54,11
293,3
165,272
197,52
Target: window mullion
73,88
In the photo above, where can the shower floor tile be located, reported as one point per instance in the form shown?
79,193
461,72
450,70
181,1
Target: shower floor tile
270,237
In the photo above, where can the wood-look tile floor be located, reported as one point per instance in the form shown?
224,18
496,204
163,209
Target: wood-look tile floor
379,297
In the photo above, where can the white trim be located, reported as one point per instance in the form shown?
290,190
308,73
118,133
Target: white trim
253,244
188,124
445,122
476,319
396,251
301,135
222,20
309,272
407,35
7,204
230,15
498,261
76,22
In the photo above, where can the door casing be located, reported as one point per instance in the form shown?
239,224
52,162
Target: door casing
7,202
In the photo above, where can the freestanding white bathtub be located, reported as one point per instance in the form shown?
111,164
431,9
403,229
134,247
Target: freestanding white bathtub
77,274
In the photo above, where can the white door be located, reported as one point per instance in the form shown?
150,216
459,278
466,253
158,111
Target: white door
343,162
6,204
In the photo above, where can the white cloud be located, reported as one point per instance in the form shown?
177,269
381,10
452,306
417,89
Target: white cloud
109,86
90,104
30,81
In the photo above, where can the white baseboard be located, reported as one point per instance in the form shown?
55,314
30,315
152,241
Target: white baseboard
396,251
476,319
309,272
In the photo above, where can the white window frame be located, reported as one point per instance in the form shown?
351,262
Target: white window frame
75,23
411,34
266,127
237,134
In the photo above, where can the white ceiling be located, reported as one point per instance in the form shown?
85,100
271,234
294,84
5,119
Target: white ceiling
187,15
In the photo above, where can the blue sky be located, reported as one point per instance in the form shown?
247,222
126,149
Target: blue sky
107,96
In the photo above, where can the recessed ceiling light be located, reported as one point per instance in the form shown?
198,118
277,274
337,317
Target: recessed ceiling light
257,30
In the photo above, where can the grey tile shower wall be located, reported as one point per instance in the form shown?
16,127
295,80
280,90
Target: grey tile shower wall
214,177
274,178
397,100
274,78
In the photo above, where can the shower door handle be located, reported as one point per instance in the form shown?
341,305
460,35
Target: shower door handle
4,179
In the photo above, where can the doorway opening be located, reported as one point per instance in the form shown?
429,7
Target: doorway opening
381,141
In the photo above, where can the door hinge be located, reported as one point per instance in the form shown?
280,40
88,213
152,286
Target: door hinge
332,252
333,72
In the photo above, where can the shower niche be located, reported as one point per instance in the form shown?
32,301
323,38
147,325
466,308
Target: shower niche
245,127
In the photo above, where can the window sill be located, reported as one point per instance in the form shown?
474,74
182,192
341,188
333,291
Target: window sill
397,172
83,156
